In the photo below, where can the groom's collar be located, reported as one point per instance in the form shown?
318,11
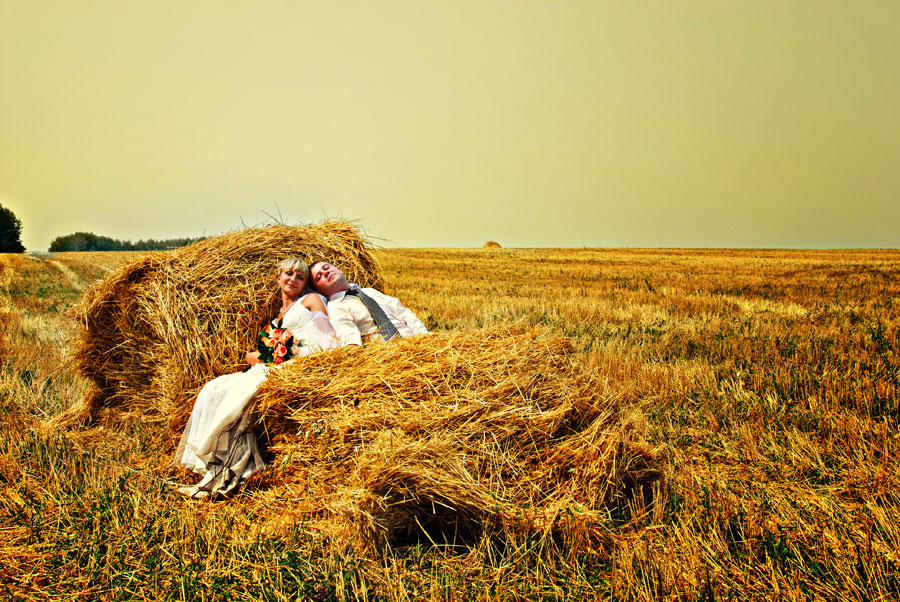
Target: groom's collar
340,294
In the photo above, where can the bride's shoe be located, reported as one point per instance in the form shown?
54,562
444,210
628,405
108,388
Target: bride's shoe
194,492
198,491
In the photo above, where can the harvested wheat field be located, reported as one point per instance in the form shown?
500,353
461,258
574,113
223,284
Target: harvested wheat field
581,424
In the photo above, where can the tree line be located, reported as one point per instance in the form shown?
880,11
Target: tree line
88,241
11,239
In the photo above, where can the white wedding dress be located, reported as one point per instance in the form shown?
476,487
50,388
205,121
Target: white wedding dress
218,441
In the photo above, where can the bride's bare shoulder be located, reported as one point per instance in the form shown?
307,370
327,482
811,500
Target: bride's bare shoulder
313,302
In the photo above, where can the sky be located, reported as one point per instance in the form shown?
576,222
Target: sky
533,123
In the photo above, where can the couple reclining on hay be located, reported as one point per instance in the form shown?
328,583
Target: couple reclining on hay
320,310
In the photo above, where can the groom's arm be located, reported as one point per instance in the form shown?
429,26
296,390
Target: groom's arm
344,322
402,312
411,319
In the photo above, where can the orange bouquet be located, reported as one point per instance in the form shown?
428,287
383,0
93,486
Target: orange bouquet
275,344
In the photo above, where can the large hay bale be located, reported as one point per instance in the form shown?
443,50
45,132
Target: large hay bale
449,435
491,244
158,328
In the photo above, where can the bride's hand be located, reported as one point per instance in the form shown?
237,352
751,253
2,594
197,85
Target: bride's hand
252,357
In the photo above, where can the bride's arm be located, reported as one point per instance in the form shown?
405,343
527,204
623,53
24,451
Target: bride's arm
323,324
313,303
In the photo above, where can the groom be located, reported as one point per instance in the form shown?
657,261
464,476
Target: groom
361,313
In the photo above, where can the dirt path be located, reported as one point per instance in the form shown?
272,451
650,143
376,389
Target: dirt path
74,279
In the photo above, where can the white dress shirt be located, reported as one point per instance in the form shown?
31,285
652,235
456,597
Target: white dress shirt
352,321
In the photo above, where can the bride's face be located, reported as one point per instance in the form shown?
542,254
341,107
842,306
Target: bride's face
291,283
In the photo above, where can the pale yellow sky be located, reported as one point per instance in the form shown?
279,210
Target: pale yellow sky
534,123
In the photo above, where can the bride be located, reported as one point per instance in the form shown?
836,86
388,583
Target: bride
218,442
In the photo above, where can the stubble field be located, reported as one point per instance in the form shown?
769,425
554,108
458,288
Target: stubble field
765,381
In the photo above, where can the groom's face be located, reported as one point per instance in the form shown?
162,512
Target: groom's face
328,279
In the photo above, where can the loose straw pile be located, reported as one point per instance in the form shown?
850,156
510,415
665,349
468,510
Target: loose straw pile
450,434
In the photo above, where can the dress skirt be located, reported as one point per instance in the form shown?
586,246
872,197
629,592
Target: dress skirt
218,441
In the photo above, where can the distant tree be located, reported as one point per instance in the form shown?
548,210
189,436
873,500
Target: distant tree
84,241
10,232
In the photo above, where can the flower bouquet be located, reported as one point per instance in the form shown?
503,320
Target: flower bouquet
275,344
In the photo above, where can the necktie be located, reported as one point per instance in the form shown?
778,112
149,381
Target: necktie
385,327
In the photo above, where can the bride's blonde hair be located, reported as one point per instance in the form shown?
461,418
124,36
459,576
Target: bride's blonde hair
294,264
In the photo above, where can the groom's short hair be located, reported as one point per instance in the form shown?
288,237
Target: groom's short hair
310,282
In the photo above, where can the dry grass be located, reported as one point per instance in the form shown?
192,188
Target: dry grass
767,381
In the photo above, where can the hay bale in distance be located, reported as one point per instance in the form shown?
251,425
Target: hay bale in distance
160,327
491,244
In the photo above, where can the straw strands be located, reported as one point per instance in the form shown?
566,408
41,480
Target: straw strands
447,435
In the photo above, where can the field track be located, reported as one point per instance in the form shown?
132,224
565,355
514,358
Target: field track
765,380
